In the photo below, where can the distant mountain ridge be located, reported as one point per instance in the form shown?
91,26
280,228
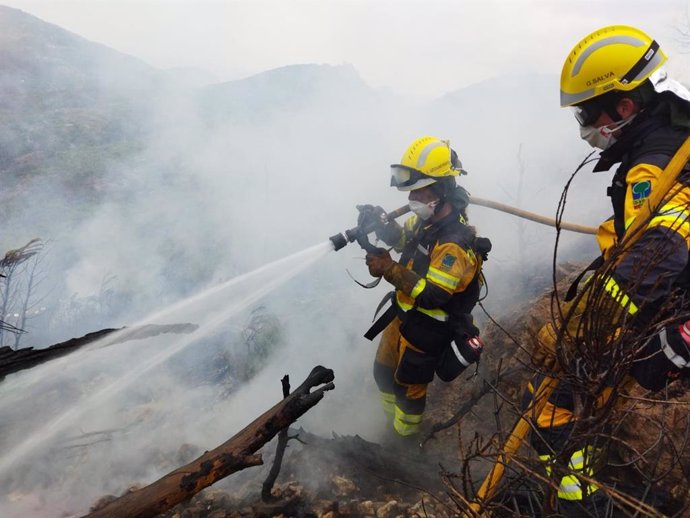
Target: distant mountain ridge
70,106
41,58
72,121
286,88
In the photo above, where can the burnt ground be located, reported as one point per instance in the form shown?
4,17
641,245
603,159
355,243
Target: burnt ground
349,476
344,476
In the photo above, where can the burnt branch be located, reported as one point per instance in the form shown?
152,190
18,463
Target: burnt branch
235,454
280,451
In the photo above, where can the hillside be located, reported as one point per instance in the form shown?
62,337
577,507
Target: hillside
286,90
150,187
69,107
349,476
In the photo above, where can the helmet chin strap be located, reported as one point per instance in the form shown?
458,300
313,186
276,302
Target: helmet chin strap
444,190
441,206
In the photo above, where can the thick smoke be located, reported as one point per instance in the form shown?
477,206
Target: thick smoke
223,180
232,178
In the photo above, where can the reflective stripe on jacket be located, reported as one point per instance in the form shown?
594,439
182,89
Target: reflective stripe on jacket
442,255
570,486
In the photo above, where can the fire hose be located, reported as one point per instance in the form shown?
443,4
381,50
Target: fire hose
360,234
545,389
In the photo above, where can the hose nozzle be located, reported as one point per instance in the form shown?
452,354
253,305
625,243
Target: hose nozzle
339,241
360,234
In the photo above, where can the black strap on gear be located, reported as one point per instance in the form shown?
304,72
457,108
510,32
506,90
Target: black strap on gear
368,285
572,291
617,192
386,318
641,63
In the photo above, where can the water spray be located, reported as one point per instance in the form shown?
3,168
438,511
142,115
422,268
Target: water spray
225,302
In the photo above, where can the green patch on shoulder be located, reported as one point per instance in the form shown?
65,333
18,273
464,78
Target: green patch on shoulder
448,261
640,192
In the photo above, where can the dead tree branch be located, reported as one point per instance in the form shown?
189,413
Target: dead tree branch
280,451
234,455
469,404
28,357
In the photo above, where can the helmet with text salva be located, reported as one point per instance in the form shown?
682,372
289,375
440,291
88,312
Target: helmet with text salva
615,58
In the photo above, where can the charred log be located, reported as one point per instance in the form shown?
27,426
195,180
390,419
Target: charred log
280,451
235,454
26,358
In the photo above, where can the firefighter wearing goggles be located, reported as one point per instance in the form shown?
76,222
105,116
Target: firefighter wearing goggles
429,327
627,106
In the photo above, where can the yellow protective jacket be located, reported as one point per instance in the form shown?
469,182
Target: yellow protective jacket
442,255
658,261
657,264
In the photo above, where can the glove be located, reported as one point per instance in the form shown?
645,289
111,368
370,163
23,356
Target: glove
375,217
370,216
665,357
389,232
379,263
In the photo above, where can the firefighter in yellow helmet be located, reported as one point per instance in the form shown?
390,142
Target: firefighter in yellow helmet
628,107
428,328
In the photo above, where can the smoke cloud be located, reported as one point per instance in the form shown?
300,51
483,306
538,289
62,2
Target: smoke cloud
216,181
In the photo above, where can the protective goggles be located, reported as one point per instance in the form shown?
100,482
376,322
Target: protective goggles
403,176
587,113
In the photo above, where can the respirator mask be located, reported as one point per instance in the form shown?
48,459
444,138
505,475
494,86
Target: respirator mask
424,210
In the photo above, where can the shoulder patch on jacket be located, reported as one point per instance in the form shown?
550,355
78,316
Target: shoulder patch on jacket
448,261
640,192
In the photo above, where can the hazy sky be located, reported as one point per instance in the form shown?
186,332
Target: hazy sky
415,47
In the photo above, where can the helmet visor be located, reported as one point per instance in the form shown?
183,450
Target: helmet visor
402,176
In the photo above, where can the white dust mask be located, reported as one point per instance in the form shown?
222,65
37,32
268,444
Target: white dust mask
602,138
423,210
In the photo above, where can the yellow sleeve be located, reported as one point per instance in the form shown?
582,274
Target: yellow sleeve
674,214
451,268
655,280
606,237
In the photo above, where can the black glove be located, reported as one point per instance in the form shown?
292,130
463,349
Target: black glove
370,217
664,358
374,218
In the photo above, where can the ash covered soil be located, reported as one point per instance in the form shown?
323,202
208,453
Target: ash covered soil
347,476
341,476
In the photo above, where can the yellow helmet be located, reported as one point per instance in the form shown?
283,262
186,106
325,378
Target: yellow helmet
617,57
426,161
